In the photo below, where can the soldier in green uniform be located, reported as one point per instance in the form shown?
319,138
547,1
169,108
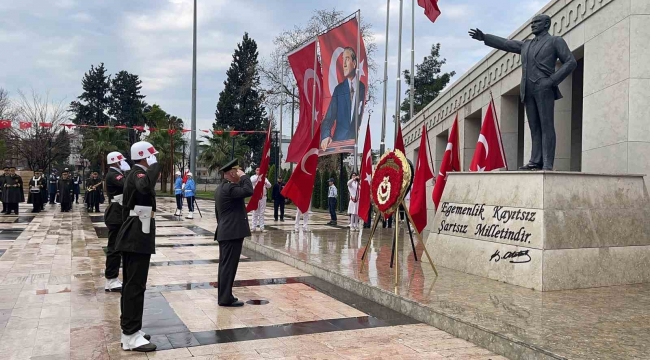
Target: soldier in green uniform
136,241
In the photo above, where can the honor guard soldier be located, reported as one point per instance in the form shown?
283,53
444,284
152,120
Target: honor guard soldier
136,241
3,180
37,193
12,192
232,227
115,178
76,184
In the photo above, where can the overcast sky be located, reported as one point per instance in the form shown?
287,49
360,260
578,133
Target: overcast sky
49,44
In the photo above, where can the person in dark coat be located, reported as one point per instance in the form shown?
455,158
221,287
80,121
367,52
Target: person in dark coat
3,179
93,191
115,178
278,200
13,191
76,187
64,191
52,183
136,241
232,227
37,194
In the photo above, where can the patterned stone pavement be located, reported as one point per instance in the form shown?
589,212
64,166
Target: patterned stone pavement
53,305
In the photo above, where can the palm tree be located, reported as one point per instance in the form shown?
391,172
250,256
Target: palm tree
162,140
217,150
98,143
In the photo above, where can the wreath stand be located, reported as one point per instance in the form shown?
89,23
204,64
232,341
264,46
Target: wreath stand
395,251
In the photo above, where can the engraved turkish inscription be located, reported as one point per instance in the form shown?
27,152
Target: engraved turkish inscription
512,226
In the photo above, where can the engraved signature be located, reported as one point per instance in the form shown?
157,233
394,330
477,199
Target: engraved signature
513,256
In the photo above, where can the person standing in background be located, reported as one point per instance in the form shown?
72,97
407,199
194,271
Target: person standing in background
13,191
3,180
76,187
353,205
178,192
258,214
93,188
190,192
37,186
332,195
53,183
64,191
278,200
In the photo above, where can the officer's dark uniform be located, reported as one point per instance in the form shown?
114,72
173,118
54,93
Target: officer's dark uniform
136,247
13,193
94,196
3,179
232,228
115,179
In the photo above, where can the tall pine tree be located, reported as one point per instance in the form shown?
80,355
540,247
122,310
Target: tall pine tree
91,109
240,102
126,103
429,82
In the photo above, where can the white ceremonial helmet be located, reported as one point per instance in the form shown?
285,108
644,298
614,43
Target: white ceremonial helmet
114,157
189,173
178,173
142,150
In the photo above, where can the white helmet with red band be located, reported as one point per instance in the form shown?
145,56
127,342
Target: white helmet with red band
142,150
114,157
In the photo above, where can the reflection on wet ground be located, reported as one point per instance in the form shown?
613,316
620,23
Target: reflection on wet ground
53,304
608,323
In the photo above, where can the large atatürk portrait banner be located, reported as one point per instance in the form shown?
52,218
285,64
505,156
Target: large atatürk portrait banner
342,62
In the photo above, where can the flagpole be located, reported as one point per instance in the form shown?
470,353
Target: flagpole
398,86
281,103
193,135
354,106
412,87
313,90
382,144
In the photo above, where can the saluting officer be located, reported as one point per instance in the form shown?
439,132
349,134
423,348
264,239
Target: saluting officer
136,241
232,227
115,178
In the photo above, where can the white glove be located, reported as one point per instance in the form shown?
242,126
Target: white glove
183,187
124,166
151,160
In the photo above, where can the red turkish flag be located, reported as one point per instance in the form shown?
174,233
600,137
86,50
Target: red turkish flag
423,173
399,141
431,9
206,131
489,154
69,126
138,128
339,100
450,162
258,192
120,126
233,133
218,132
302,64
45,124
366,178
186,130
5,124
171,131
24,125
301,183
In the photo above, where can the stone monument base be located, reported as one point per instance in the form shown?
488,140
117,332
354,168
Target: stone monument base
545,230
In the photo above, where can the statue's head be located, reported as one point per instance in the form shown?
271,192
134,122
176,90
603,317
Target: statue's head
540,23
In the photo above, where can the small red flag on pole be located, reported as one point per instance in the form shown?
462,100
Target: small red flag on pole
431,9
24,125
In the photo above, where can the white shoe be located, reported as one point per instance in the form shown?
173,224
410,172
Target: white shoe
136,342
263,231
190,215
113,285
306,229
177,213
296,229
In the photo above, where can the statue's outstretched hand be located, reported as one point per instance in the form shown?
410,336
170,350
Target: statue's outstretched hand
477,34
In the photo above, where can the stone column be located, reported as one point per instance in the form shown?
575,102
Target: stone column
507,108
616,115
